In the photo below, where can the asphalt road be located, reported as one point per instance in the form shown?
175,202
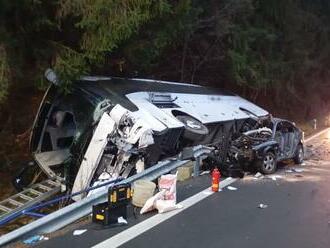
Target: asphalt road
298,213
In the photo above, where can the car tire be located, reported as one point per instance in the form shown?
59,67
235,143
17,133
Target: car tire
194,129
299,155
268,163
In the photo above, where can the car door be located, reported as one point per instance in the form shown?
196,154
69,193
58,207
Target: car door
290,140
294,140
280,139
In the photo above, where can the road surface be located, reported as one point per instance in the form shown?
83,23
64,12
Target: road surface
298,213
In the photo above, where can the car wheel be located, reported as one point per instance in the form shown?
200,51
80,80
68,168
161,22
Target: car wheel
299,157
193,128
268,164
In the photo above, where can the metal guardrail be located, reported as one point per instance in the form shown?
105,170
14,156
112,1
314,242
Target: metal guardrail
77,210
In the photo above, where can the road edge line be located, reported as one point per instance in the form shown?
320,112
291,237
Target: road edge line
316,135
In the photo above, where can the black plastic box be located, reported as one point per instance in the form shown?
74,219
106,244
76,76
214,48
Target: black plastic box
107,215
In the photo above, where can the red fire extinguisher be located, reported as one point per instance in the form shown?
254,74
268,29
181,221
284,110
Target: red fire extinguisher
215,180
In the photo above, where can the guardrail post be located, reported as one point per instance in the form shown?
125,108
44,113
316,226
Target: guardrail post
196,166
303,136
314,124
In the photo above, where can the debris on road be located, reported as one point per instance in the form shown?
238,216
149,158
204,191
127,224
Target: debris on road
150,203
79,232
113,211
168,184
143,190
165,199
298,170
204,172
274,178
258,175
34,239
185,172
121,220
262,206
165,206
231,188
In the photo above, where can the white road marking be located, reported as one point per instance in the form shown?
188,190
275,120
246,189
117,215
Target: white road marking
317,134
144,226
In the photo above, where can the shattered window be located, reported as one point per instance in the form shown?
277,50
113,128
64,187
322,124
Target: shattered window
83,113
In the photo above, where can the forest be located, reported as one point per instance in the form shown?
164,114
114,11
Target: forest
273,52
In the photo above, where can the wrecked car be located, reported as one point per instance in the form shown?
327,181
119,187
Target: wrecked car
267,144
121,126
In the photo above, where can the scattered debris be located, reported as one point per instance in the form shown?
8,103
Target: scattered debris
294,170
262,206
34,239
79,232
165,199
258,175
121,220
275,177
184,172
102,179
231,188
143,190
298,170
204,172
297,175
150,203
165,206
168,184
116,147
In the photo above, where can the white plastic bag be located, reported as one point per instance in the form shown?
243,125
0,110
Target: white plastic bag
165,205
165,200
150,203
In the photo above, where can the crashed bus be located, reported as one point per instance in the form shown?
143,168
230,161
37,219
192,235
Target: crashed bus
121,126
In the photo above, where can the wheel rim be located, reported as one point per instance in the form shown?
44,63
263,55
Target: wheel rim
269,163
193,124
